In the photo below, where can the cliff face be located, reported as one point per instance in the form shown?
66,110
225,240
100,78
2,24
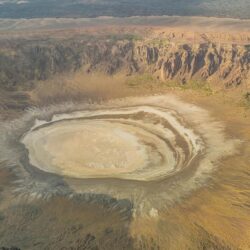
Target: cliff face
224,64
227,65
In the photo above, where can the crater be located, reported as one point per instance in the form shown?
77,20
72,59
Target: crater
151,150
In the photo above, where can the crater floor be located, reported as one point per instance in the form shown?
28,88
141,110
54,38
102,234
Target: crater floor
141,143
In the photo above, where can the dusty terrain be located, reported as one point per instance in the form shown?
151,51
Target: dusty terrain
54,205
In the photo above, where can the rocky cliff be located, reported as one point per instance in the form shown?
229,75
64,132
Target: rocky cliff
22,62
221,64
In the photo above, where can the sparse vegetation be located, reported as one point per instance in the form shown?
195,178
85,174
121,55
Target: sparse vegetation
141,80
159,42
129,37
246,100
198,85
247,47
149,81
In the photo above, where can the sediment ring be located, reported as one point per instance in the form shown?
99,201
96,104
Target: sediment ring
136,143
